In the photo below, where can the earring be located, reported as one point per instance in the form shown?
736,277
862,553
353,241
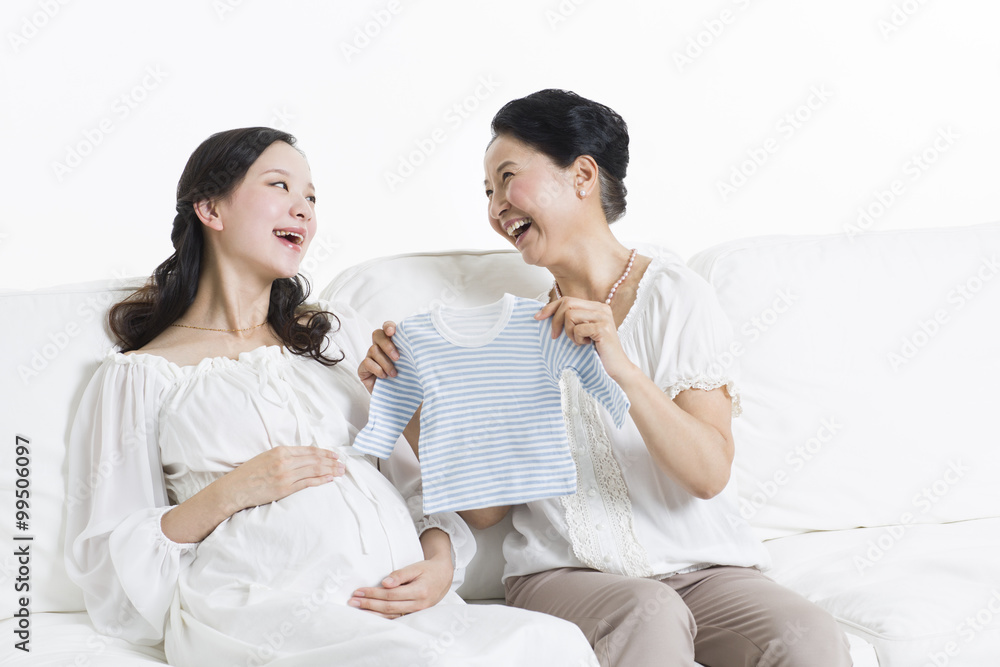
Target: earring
582,192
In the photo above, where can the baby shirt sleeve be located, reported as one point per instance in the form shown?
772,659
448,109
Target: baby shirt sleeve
563,354
394,401
115,549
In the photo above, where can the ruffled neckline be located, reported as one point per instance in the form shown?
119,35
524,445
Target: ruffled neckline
256,357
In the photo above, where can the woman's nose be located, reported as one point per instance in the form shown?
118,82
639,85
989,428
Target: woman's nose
498,204
302,209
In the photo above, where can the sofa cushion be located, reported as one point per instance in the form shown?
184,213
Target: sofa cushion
869,373
64,639
918,593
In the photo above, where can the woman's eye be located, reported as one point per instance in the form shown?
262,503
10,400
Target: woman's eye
489,193
505,175
312,198
282,184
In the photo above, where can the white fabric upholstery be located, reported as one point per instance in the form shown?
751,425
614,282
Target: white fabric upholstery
869,392
403,285
53,342
836,433
60,640
915,594
890,432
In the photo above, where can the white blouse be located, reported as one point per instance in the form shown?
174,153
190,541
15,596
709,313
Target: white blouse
149,434
627,516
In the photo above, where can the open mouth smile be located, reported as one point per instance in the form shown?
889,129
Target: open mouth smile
291,239
516,229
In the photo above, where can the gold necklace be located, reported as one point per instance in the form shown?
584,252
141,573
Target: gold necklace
188,326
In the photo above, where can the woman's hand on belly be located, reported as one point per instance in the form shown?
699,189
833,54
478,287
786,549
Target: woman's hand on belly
269,476
277,473
414,587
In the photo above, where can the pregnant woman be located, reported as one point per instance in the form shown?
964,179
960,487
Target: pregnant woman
223,510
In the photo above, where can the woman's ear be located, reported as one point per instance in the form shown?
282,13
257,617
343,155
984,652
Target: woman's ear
585,176
208,212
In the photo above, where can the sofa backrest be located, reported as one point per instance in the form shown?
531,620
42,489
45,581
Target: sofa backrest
403,285
54,340
869,376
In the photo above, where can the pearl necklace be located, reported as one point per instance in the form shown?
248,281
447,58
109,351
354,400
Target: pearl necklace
611,294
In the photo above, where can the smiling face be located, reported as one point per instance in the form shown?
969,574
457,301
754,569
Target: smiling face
531,199
266,224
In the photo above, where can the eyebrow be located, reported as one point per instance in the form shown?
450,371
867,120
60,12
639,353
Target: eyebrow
285,173
500,168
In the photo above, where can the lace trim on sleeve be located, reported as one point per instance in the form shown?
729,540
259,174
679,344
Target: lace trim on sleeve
707,383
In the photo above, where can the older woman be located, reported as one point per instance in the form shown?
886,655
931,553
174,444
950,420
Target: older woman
649,557
225,512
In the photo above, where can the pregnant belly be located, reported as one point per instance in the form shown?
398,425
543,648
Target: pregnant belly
332,538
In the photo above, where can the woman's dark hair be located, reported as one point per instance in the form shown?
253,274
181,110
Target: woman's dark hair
213,172
564,126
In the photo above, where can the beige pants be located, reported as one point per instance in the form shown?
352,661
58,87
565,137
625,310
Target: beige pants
719,616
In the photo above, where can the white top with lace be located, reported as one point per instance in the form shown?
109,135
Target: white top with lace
627,516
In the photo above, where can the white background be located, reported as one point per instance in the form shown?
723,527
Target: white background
93,143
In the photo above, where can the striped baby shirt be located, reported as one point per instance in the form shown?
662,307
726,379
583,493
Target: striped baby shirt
491,426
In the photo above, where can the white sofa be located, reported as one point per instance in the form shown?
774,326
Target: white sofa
867,455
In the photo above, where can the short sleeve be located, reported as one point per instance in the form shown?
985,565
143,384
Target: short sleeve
681,337
393,403
115,549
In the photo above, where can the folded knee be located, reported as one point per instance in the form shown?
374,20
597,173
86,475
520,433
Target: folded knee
818,641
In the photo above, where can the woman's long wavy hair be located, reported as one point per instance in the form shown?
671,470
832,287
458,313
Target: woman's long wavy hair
213,172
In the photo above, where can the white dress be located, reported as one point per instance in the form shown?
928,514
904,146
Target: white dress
270,584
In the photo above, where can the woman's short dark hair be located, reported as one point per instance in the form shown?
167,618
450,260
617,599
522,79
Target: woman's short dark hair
213,172
564,126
